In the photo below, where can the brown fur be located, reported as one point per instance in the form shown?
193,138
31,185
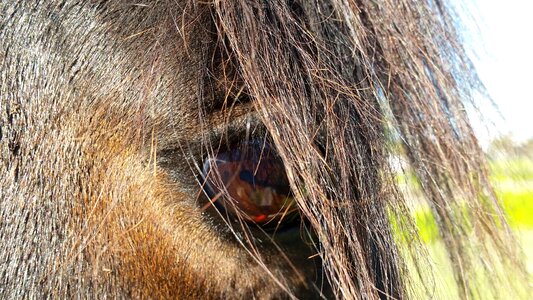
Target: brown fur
108,107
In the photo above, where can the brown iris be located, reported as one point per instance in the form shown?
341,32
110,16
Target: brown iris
249,181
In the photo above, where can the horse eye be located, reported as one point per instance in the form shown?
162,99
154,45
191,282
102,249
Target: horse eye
249,181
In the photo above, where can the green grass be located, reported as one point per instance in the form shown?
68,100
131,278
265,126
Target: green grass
519,208
519,168
513,179
517,204
513,182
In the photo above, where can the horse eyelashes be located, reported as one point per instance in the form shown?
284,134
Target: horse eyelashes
249,182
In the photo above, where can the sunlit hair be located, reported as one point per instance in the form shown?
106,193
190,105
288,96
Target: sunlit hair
346,87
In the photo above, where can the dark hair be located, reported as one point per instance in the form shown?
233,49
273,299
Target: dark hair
347,87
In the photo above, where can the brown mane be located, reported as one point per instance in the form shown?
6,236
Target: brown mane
338,85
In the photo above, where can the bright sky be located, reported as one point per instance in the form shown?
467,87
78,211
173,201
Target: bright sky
504,48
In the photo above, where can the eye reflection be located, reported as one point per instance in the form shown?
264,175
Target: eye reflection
249,181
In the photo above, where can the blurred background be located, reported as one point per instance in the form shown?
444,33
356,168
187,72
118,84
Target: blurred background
499,40
498,37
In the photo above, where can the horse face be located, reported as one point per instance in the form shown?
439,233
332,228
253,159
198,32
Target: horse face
123,125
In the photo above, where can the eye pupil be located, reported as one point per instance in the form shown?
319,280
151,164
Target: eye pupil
247,176
249,181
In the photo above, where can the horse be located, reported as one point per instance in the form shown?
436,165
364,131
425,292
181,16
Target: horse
240,149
